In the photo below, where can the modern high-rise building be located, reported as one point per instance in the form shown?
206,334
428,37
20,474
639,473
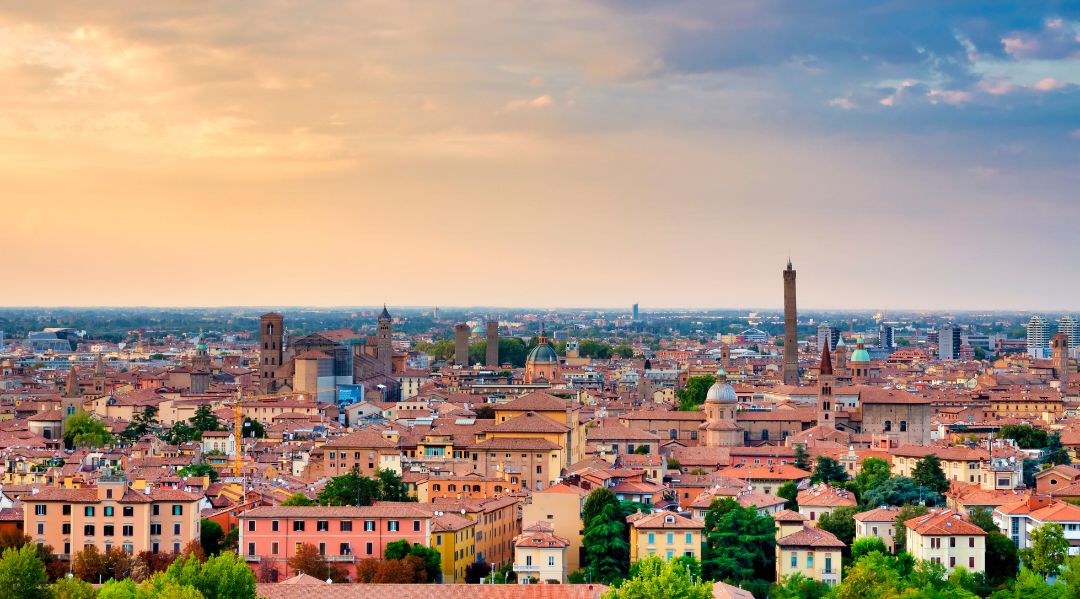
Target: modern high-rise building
1038,338
791,325
885,337
827,334
1067,325
635,311
949,343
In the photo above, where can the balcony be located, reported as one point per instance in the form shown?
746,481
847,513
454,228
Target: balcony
526,568
252,558
340,558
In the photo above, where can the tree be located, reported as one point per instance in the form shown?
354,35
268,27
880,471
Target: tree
476,571
899,491
431,558
595,502
802,459
118,589
739,543
797,586
179,433
84,430
928,473
308,560
143,423
1025,435
607,552
1054,452
693,394
89,565
73,588
982,518
656,577
1048,550
906,513
391,487
210,536
865,546
204,420
790,492
841,523
253,428
623,351
881,576
299,499
1029,585
828,470
1002,558
22,575
222,576
199,470
872,473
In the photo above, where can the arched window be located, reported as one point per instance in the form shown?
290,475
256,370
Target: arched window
765,434
888,425
903,426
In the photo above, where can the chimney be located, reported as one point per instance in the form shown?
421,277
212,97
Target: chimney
1036,502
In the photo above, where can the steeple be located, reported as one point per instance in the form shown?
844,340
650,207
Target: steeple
71,389
826,361
99,365
385,315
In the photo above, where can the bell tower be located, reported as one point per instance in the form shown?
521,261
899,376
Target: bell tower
791,333
271,352
384,334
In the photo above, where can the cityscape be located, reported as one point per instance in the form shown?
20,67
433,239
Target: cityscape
488,299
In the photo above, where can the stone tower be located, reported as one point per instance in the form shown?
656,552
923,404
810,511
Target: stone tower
791,335
384,333
461,344
72,400
725,356
492,356
99,375
840,359
1059,354
826,379
271,352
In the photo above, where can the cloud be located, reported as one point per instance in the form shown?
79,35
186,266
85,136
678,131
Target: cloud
1049,84
537,102
843,103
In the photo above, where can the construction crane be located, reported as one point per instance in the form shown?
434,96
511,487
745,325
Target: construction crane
238,424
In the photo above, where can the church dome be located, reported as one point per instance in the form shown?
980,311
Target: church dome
478,330
721,392
543,354
860,354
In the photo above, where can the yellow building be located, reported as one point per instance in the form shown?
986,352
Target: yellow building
540,554
665,534
496,525
807,550
454,536
560,505
561,411
945,538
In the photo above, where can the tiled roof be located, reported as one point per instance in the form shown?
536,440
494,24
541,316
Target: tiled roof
432,591
945,522
535,401
810,536
345,511
529,422
667,520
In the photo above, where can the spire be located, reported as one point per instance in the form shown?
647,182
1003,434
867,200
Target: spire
826,361
385,314
72,387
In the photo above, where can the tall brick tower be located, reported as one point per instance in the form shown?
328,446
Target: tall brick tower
271,352
461,344
791,323
492,360
384,333
1059,348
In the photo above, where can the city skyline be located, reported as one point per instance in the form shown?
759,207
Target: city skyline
907,156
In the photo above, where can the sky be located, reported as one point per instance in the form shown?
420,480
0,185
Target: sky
904,154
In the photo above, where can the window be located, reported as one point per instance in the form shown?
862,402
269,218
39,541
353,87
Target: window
274,525
952,541
41,528
251,548
903,426
369,549
392,526
176,528
178,510
39,509
971,562
528,560
155,547
689,538
436,487
109,510
369,525
128,511
438,541
971,541
828,565
809,560
274,548
322,526
794,559
156,510
108,530
128,530
88,530
251,526
155,529
66,509
952,561
322,548
652,538
670,538
345,549
416,525
88,511
551,560
298,526
66,528
888,425
346,526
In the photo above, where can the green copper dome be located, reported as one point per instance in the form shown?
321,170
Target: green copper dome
543,354
860,354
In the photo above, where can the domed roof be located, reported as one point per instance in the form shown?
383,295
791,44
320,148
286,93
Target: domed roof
860,354
721,392
478,330
543,354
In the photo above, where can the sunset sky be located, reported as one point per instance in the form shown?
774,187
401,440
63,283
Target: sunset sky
904,154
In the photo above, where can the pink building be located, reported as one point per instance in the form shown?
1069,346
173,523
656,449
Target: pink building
270,536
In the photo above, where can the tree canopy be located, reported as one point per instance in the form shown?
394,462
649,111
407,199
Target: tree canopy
693,394
739,543
655,577
84,430
928,473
